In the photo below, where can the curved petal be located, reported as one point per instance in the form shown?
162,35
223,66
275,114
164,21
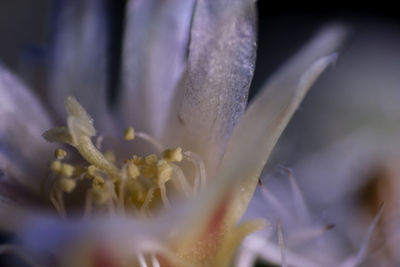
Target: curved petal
78,63
256,134
220,68
23,151
259,129
155,44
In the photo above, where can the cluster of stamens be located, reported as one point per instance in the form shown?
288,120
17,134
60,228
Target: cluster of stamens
137,184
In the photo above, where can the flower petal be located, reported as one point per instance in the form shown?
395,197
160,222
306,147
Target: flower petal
154,52
259,129
256,135
220,68
23,151
79,57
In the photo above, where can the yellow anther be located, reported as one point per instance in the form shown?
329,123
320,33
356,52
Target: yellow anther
151,159
164,171
173,154
67,169
98,182
60,153
100,196
67,184
56,166
129,134
138,160
135,191
91,170
133,170
110,156
148,171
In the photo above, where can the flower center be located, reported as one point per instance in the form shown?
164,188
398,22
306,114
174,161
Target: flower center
137,184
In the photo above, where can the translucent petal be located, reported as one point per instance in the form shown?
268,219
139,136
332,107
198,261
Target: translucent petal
23,151
260,127
216,82
155,47
79,58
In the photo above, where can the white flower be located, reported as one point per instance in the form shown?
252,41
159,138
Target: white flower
184,94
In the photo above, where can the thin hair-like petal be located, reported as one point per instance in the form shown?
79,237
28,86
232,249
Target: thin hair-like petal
357,259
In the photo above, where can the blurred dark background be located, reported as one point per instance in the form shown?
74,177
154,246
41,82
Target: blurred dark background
25,32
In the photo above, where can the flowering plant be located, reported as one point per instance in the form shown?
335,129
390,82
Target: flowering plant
174,197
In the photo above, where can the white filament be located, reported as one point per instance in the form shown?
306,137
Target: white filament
147,201
164,197
200,168
151,140
182,180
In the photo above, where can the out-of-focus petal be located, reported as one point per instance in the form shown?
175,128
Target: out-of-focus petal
78,63
216,82
23,151
155,47
260,127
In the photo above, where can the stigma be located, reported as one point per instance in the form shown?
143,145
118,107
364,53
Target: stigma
139,184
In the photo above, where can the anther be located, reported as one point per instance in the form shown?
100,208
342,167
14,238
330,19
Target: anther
98,182
56,166
60,154
173,154
91,170
133,171
67,184
151,159
67,169
129,134
164,171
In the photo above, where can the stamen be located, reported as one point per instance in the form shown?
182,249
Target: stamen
137,180
129,134
56,166
164,197
199,165
67,184
67,170
151,140
57,200
182,180
122,189
149,197
173,155
60,154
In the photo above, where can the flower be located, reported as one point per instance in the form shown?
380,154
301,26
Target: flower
187,97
